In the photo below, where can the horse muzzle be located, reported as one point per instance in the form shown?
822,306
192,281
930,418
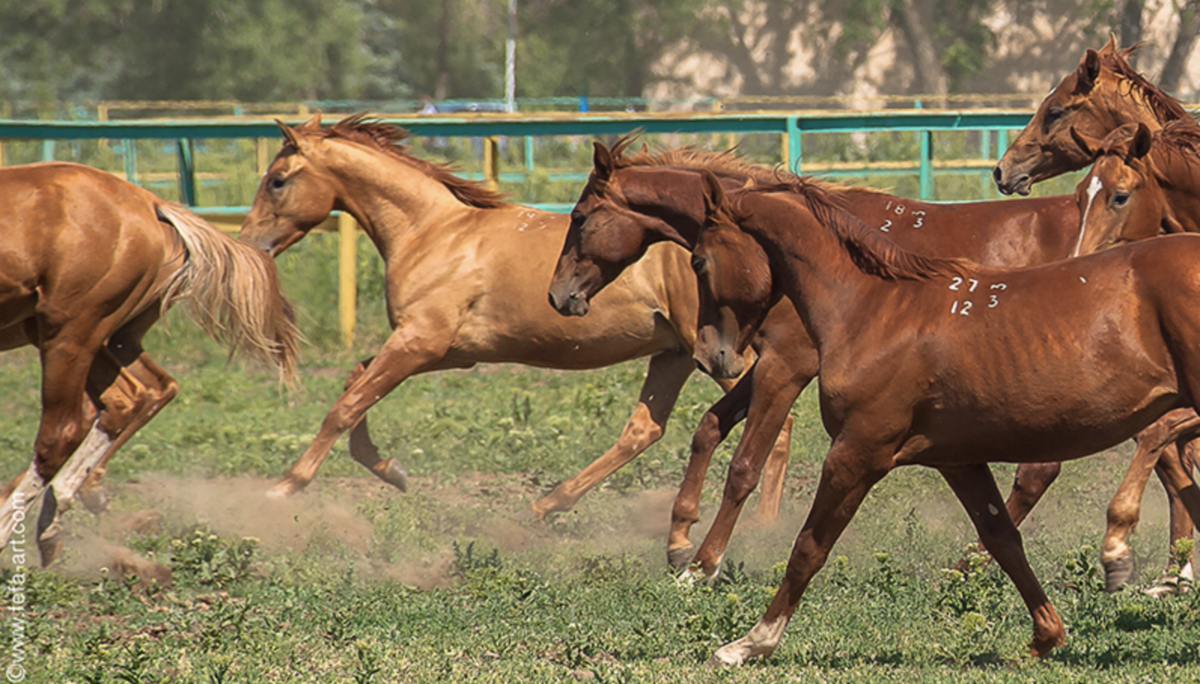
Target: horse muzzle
569,303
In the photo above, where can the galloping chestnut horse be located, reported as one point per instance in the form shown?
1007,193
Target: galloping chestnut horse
1104,92
947,364
458,260
634,200
1140,185
89,263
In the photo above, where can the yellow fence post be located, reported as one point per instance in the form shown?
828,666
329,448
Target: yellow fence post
491,163
262,155
347,288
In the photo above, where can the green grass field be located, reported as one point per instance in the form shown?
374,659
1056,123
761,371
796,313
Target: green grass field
352,581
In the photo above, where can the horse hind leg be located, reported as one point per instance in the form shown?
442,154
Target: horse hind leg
63,428
1029,486
664,379
1158,449
363,449
1175,470
129,392
976,490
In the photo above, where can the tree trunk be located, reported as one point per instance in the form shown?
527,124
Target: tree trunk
1131,24
442,87
1189,24
930,77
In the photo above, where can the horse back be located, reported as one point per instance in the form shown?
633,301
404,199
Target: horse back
1006,233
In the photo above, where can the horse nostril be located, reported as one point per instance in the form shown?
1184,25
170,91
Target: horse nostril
997,175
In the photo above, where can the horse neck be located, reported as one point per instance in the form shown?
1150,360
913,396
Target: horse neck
1122,103
814,268
675,197
393,201
1177,175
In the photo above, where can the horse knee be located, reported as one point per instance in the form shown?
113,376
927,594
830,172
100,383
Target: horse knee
1035,478
707,435
742,479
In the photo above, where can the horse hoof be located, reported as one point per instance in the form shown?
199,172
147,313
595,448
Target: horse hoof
396,475
281,491
1172,583
95,499
50,544
678,558
1117,572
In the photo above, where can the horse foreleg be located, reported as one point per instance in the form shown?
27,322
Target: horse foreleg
363,449
714,426
976,489
774,472
775,388
417,347
845,480
664,379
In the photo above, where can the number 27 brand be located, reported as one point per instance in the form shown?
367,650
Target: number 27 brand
963,307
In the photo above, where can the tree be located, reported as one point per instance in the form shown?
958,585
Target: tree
1185,38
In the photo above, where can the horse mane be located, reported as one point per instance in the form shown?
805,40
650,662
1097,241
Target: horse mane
1182,137
723,164
871,252
389,139
1165,107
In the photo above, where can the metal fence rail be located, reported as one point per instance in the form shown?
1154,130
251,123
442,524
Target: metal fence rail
790,127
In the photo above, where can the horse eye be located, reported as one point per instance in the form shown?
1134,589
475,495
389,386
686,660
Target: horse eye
1120,199
1053,114
698,264
278,182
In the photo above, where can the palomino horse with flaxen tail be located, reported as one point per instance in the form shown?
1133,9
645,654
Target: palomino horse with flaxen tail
947,364
463,287
89,263
634,200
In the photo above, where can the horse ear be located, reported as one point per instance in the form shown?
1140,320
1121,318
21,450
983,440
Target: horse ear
1140,145
714,194
314,123
1111,45
288,134
602,161
1089,71
1088,145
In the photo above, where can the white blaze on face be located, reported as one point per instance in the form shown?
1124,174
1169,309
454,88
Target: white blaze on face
1094,189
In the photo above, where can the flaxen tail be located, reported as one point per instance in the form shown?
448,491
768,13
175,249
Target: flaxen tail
232,291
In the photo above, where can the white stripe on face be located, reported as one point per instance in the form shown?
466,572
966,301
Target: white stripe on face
1094,189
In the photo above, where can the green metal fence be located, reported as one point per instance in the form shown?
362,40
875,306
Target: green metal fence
791,128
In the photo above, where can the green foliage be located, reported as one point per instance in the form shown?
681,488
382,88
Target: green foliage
208,560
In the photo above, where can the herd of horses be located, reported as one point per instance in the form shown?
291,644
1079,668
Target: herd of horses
1033,330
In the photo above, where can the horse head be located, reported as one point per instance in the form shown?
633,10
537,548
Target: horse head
1102,93
1120,199
294,195
631,202
734,300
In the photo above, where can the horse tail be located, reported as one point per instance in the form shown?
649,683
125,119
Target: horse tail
232,291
